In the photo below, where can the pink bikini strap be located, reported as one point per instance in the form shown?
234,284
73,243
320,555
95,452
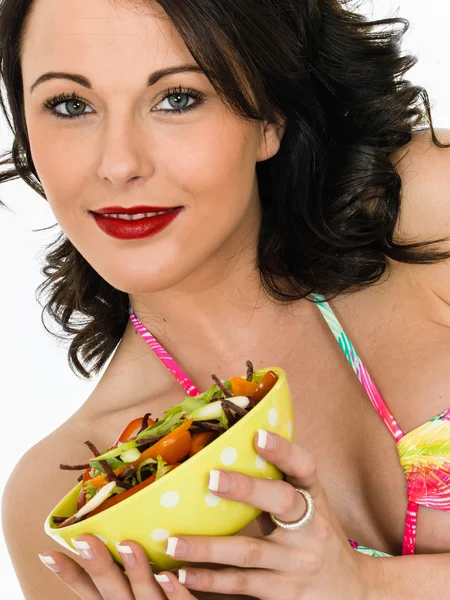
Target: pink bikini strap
358,367
164,357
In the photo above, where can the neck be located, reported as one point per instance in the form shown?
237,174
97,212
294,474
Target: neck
218,312
212,322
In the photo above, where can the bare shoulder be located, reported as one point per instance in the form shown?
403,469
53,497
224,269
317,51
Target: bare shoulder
35,486
424,169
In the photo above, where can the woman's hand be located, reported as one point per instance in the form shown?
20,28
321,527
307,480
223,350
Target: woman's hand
313,562
101,578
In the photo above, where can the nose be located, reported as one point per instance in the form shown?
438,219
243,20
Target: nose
124,152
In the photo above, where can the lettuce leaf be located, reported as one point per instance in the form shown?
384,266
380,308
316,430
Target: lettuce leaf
162,468
97,468
90,490
192,403
164,426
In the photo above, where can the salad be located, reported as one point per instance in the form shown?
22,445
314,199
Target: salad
147,449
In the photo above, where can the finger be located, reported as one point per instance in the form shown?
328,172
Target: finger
173,588
277,497
144,583
72,575
108,577
246,582
296,462
239,551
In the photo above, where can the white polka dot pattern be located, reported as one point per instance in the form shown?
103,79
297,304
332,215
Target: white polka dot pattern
170,499
290,428
260,462
228,456
160,535
212,500
273,417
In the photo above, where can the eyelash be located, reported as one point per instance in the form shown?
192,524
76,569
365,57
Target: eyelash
52,103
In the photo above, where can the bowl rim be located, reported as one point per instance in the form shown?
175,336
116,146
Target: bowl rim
233,429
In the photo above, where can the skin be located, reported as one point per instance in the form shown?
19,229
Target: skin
123,153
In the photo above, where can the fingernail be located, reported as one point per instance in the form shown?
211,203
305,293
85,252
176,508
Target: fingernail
176,547
126,552
49,562
165,583
265,441
84,548
188,577
219,482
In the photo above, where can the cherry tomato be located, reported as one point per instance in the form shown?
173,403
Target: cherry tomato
172,449
200,440
132,427
265,385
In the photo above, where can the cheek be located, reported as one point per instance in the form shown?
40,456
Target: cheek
210,170
215,169
61,163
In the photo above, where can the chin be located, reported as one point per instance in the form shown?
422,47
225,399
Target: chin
147,281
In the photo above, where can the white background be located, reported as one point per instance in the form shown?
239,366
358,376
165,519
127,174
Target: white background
35,404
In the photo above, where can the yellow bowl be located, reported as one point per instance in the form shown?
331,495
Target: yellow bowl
180,503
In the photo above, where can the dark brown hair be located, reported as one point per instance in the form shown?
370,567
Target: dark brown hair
330,197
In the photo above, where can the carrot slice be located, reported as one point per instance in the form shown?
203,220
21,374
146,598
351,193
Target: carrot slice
241,387
100,480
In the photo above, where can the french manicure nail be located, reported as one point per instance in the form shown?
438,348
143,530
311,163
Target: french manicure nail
172,544
265,441
189,577
219,482
165,582
126,552
84,548
49,562
176,547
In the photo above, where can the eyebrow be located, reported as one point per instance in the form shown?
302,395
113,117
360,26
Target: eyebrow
85,82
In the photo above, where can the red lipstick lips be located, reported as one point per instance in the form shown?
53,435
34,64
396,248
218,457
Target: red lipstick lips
142,227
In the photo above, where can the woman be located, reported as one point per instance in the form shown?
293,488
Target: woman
284,150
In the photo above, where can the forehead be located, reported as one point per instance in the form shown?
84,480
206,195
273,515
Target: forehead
99,34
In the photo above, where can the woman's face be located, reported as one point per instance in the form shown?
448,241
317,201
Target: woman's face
125,151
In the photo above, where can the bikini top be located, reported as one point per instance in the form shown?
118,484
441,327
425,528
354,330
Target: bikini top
424,452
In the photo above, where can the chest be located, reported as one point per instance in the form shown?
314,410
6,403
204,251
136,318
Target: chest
358,460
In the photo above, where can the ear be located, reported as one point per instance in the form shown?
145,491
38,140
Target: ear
270,138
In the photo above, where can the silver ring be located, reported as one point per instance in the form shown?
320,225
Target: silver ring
303,520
